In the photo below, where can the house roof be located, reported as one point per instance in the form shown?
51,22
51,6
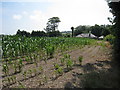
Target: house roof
86,35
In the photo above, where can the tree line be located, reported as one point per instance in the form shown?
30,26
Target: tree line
38,33
97,30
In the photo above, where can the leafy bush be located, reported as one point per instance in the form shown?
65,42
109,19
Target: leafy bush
110,38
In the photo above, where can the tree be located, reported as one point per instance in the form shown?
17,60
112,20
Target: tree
38,33
81,29
23,33
52,24
115,10
106,30
96,30
54,34
72,28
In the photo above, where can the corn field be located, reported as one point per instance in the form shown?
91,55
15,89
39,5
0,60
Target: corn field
18,52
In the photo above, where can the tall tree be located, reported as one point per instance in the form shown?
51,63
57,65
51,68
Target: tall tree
72,28
115,10
52,24
106,29
96,30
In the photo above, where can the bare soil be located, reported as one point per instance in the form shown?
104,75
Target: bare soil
97,70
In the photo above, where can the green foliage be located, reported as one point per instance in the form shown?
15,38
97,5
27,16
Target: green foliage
110,38
80,59
14,46
66,60
69,64
97,30
15,66
106,30
38,34
54,34
81,29
58,69
66,56
50,50
28,60
115,10
30,72
23,33
40,69
5,69
62,61
25,74
56,66
20,64
52,24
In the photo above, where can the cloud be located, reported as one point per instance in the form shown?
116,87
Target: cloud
17,17
38,19
37,16
25,13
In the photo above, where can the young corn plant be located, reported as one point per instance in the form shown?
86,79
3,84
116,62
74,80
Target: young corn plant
69,64
15,67
45,78
35,60
5,69
14,79
40,69
80,59
31,58
58,69
66,56
20,64
30,72
50,51
66,60
27,59
9,80
62,61
25,74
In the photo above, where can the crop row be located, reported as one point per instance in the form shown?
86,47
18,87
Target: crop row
14,46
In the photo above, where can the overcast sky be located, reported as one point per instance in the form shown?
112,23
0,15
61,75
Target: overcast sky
33,15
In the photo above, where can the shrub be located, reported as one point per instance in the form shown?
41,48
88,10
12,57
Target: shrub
110,38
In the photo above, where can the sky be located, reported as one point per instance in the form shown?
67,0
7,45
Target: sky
33,14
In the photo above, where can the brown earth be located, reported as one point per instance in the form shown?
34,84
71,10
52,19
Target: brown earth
97,70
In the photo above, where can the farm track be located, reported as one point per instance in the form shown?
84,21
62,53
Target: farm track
87,53
92,56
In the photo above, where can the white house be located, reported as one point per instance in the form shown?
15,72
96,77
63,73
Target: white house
86,35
